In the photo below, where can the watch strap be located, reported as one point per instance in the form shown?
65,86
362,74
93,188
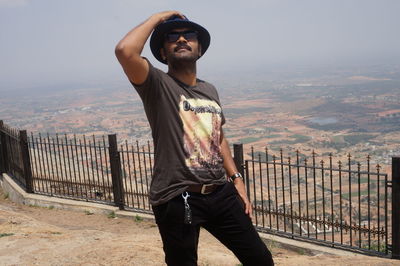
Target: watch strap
236,175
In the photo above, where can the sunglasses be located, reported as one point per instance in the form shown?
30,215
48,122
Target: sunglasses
174,36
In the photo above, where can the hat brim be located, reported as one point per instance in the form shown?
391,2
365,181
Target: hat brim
157,38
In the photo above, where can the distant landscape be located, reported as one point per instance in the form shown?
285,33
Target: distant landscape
334,110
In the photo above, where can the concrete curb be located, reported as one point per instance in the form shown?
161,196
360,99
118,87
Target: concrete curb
18,195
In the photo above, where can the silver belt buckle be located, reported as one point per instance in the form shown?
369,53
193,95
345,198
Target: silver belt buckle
204,187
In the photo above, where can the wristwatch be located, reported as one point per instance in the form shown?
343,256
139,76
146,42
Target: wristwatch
236,175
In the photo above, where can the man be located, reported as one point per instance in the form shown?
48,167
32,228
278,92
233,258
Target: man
189,188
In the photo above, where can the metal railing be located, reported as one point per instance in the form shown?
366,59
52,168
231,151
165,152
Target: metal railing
71,167
137,170
340,204
14,156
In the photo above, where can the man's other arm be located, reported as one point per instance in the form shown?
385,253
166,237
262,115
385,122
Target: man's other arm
231,169
129,49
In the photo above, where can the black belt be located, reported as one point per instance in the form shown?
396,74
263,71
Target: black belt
203,189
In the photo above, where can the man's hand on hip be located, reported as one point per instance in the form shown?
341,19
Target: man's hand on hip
238,182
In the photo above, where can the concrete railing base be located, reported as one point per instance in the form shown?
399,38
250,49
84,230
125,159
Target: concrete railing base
18,195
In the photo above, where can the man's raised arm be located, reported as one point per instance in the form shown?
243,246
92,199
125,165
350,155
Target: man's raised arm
129,49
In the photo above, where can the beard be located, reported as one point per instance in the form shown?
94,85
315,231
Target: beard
182,54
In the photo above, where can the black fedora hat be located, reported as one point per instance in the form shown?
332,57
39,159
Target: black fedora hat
174,22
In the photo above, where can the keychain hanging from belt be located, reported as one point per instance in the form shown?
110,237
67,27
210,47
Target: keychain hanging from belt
188,211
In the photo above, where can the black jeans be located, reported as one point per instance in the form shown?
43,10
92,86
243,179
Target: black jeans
222,214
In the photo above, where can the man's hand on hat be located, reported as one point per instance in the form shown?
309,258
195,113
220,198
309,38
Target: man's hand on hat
163,16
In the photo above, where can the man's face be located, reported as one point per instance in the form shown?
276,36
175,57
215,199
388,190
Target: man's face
181,45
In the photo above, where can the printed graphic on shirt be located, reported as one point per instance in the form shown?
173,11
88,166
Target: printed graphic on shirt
202,130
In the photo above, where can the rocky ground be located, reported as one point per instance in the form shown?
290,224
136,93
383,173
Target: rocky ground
32,235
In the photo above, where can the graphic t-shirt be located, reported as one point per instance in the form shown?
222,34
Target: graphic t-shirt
186,127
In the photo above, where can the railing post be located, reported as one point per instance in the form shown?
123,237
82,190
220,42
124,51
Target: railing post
238,157
3,151
115,163
23,141
396,207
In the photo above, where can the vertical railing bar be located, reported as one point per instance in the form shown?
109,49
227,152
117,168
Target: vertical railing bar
88,169
90,176
247,179
115,165
36,174
261,187
378,200
69,178
25,162
386,215
73,167
145,174
39,162
395,210
136,177
350,203
283,192
53,177
8,152
31,158
51,167
290,193
81,185
323,197
276,193
298,189
101,167
31,146
59,182
130,175
107,160
331,179
140,173
150,161
124,175
254,185
15,156
315,194
48,167
268,188
97,182
14,153
18,159
45,187
340,202
93,168
369,202
60,164
359,203
307,211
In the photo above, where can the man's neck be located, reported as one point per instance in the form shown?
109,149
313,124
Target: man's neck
184,73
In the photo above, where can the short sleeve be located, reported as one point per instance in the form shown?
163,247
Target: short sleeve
148,89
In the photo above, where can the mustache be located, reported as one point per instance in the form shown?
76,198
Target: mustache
182,46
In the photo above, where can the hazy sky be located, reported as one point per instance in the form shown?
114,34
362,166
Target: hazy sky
55,42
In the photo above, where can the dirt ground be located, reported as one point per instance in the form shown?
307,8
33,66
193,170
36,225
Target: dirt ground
31,235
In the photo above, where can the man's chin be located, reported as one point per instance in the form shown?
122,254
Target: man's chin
183,58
